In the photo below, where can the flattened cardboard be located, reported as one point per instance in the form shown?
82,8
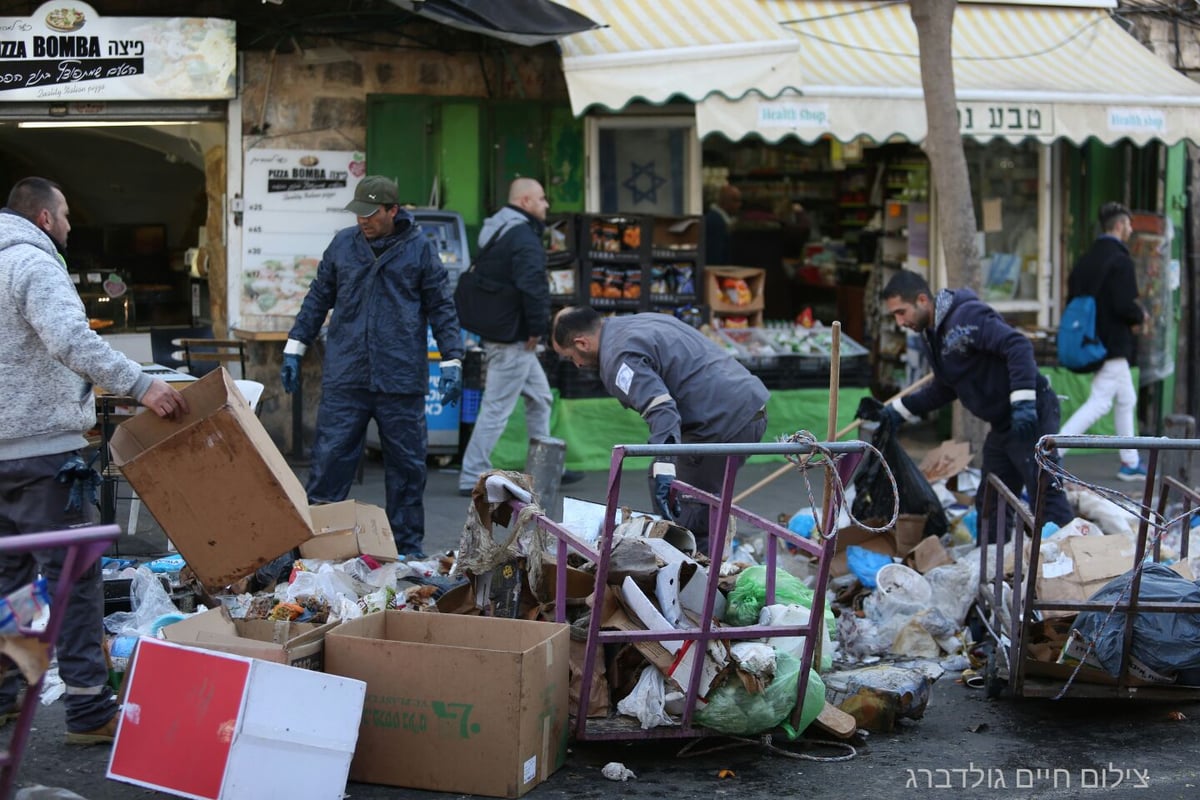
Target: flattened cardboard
215,482
1087,563
927,555
349,529
296,644
203,724
462,704
945,461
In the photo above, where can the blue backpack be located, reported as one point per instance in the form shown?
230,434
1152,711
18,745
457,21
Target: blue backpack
1079,350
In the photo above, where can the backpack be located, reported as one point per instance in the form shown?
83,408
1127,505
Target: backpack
1079,350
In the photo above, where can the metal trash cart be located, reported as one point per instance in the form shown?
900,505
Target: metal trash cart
845,458
83,546
1011,610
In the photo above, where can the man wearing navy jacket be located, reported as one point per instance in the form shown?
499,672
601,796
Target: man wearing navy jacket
988,365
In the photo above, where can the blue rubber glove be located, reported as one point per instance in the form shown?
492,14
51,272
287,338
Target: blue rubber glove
664,475
1025,419
289,375
83,480
450,384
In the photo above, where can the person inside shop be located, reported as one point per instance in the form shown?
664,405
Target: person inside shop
385,284
1106,272
688,390
52,359
988,365
512,255
718,224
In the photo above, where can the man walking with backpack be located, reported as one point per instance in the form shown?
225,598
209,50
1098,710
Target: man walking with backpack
1106,273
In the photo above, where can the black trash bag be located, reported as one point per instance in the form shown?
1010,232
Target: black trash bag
1164,642
873,491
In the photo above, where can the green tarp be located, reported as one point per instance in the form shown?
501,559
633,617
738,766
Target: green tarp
591,426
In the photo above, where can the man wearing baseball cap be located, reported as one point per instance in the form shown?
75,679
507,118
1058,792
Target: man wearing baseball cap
385,284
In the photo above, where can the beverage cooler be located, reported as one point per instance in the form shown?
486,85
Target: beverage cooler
448,233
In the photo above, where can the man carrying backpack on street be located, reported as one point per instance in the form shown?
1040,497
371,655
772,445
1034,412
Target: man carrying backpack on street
1106,273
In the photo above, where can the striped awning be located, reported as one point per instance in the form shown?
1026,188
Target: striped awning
1021,71
656,50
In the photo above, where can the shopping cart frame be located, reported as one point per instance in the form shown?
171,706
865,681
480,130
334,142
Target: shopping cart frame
721,509
83,547
1011,655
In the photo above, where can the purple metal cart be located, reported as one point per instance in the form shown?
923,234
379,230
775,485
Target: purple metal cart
847,456
83,546
1011,619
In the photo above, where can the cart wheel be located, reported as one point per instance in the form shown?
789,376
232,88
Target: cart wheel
993,684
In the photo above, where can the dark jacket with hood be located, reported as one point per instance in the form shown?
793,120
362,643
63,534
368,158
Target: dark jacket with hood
1106,273
511,252
384,295
977,357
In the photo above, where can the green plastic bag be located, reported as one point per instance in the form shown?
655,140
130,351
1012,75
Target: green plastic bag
733,710
749,595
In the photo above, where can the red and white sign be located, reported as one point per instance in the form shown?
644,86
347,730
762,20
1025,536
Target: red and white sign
213,726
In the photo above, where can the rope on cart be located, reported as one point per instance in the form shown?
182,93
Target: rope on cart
828,462
765,741
1157,525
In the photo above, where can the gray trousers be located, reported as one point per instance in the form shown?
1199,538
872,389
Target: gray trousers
512,372
31,501
707,473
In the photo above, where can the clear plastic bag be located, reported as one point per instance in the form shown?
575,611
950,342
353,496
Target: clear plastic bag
150,603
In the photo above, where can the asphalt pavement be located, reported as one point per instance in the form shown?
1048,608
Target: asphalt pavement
965,744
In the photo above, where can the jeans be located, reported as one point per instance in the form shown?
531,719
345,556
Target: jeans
31,501
512,371
341,434
1112,388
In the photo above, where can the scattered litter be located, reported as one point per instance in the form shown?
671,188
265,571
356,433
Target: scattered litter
1176,716
726,773
616,771
52,686
38,792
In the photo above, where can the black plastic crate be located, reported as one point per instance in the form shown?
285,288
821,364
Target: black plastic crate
118,594
800,372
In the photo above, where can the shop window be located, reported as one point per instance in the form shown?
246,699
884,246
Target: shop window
644,165
1005,181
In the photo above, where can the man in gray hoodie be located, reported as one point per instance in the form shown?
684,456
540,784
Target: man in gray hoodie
49,361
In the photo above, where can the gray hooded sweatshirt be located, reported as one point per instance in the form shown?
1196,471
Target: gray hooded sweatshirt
49,356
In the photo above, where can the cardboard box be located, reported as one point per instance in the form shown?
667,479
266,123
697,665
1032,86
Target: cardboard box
215,482
203,724
296,644
927,555
1085,564
456,703
349,529
716,298
897,543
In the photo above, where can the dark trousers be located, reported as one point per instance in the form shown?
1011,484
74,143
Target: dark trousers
1011,459
341,434
31,501
707,473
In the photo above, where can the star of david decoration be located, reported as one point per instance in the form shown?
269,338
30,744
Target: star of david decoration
643,174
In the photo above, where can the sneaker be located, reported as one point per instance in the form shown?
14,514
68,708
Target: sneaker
571,476
1136,473
102,735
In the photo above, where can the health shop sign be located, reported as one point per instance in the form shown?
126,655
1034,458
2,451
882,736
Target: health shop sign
66,51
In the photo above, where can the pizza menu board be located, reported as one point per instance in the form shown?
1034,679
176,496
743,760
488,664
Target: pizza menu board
294,203
66,51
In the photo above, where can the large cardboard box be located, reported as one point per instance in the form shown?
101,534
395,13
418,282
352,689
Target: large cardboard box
1085,564
215,481
897,543
349,529
202,724
296,644
463,704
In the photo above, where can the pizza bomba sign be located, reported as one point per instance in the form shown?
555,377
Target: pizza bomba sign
66,51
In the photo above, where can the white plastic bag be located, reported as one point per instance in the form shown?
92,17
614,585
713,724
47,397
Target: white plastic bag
780,615
647,701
